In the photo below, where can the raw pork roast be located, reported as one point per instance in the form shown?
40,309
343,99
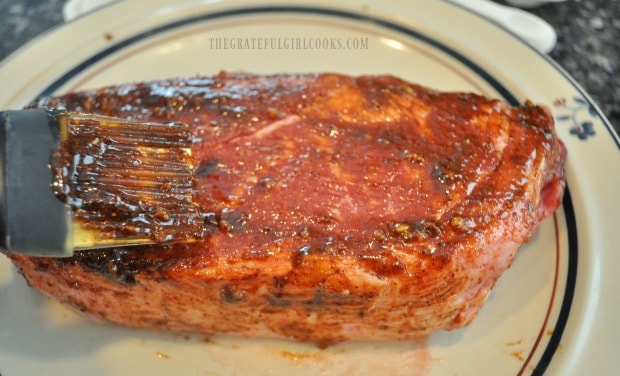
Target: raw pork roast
335,208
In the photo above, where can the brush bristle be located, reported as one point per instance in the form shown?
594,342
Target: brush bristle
128,180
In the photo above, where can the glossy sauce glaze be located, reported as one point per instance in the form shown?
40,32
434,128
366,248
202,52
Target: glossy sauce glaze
334,207
336,169
127,180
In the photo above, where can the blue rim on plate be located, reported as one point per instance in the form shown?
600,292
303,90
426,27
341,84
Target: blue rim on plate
507,95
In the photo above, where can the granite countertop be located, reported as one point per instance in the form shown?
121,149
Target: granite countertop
588,40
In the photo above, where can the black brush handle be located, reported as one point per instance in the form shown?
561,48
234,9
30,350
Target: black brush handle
32,220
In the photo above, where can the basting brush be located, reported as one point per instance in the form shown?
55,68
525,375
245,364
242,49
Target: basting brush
71,181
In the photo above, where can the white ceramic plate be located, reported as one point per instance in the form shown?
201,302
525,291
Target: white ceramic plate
550,312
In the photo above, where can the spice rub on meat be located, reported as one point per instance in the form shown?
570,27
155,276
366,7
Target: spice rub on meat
335,208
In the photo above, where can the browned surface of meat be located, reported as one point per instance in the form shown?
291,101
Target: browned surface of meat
336,208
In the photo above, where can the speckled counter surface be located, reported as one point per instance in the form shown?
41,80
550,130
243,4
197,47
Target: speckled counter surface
588,40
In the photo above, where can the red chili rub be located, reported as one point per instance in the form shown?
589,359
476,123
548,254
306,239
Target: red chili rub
336,208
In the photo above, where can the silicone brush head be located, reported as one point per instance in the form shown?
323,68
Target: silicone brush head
123,182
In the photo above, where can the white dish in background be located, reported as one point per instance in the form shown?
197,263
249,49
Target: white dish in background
531,3
75,8
552,311
531,28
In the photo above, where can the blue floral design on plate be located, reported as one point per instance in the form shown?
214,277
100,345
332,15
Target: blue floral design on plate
580,114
